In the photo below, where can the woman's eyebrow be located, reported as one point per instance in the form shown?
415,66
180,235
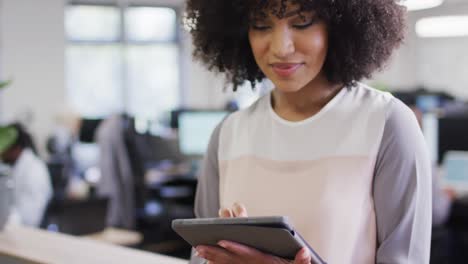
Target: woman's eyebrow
292,13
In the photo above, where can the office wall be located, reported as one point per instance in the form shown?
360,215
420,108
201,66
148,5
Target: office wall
436,63
444,66
32,54
204,89
400,70
443,63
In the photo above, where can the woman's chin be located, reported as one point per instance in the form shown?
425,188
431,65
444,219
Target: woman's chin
287,88
288,85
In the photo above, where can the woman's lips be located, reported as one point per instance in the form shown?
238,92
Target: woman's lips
285,69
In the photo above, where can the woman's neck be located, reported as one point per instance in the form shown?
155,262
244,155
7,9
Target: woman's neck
300,105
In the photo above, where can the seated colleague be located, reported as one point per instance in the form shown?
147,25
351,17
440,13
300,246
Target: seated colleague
32,186
347,163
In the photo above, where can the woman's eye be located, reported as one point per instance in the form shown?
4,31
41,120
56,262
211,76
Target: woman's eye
304,25
260,27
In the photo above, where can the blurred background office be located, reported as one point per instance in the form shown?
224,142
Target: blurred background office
121,114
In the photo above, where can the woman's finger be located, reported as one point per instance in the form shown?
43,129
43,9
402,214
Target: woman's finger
302,257
239,210
214,254
239,249
225,213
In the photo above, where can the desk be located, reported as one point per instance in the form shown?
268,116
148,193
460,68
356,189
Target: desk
24,245
117,236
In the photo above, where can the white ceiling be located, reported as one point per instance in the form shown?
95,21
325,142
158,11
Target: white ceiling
454,2
447,8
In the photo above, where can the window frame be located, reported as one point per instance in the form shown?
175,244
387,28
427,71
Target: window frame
123,42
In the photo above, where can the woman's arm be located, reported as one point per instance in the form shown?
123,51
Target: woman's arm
402,190
207,196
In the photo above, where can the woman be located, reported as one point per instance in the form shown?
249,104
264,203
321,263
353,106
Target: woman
33,188
345,162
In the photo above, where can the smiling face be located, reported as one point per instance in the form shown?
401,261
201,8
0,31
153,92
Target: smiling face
290,51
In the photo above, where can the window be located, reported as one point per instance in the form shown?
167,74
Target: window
122,59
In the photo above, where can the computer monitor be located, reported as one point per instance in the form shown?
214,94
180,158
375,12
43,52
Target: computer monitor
456,171
453,135
195,129
428,102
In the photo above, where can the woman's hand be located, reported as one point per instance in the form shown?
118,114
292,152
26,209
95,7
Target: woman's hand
237,210
234,253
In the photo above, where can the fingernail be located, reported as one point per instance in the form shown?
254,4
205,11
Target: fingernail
237,207
223,212
197,254
222,244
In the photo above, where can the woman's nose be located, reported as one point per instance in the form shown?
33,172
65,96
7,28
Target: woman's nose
282,43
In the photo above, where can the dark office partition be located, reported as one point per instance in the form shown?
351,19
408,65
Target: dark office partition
453,134
76,217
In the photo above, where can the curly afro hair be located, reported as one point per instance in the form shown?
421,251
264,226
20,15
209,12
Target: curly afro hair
362,35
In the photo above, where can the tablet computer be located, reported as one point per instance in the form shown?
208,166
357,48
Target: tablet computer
273,235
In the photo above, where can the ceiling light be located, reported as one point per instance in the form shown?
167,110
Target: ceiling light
413,5
442,27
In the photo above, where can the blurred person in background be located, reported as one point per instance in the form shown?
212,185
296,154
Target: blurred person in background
32,186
